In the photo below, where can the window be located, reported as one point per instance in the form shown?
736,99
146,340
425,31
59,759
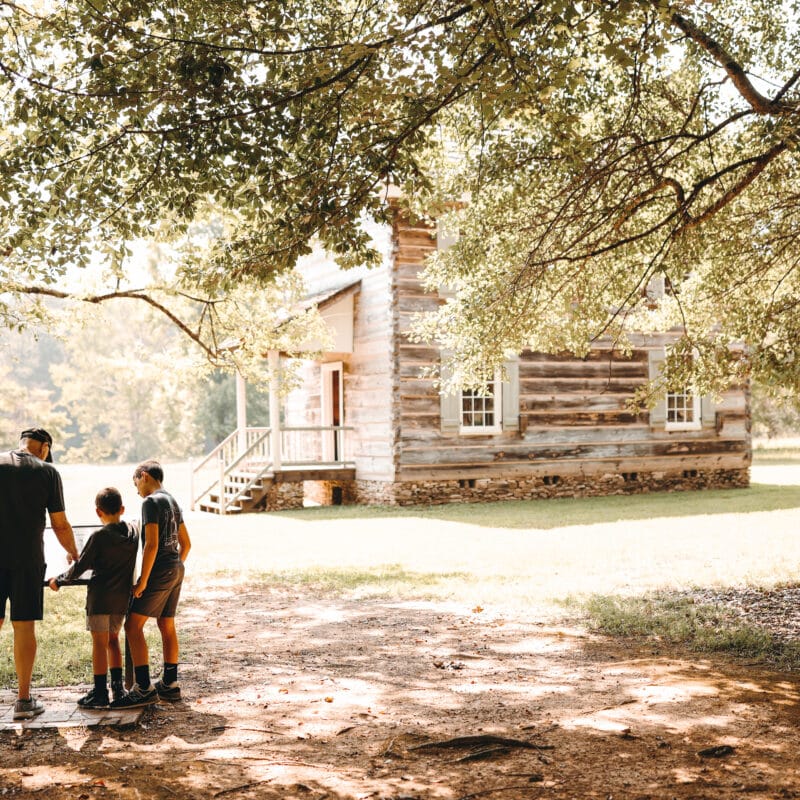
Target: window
481,409
491,409
683,411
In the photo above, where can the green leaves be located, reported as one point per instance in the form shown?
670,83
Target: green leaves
598,144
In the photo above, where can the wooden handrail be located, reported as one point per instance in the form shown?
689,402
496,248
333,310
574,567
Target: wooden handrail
226,469
215,451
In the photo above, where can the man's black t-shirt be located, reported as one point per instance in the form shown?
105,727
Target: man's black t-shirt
160,507
111,555
28,488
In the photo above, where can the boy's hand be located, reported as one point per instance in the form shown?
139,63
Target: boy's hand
139,587
53,584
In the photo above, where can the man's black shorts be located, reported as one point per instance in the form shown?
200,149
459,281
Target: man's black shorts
160,598
25,589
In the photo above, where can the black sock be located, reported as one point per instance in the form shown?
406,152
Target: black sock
170,674
101,684
116,675
142,676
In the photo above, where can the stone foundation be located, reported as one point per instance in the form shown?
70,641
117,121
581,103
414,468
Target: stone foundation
283,496
480,490
331,493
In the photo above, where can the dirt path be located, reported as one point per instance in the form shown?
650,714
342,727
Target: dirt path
302,697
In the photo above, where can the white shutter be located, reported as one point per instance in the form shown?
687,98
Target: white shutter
708,411
655,362
655,288
510,392
450,404
445,239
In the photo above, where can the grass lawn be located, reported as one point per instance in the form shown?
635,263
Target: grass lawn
549,557
64,655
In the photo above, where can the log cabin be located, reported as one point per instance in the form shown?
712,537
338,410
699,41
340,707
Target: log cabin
555,426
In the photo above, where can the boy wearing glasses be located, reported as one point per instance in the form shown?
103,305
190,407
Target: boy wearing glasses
165,547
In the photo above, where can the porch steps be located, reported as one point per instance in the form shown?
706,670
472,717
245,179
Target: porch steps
239,472
213,507
234,483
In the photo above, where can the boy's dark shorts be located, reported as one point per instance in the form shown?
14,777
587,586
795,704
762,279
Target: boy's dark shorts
160,598
25,589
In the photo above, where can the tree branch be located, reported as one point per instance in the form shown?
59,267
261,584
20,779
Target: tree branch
644,197
759,164
130,294
444,19
759,103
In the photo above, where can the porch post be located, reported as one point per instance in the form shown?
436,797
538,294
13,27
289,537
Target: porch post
241,413
275,409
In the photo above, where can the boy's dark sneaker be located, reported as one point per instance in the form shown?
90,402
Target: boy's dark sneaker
170,692
137,697
28,709
94,699
117,690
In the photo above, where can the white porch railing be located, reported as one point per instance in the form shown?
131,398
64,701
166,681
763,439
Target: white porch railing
244,458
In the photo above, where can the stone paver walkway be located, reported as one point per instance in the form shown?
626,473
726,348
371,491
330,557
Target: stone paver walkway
60,711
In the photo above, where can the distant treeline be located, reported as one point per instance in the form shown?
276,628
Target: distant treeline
119,385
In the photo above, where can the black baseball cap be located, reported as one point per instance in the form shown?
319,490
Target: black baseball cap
39,435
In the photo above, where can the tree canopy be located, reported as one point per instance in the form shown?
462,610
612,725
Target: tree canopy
586,150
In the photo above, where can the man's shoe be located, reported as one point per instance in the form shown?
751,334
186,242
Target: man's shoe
117,690
137,697
94,699
28,709
170,692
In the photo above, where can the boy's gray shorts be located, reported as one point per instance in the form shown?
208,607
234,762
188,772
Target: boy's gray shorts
161,595
104,623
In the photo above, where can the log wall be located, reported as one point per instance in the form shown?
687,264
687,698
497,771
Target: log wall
577,434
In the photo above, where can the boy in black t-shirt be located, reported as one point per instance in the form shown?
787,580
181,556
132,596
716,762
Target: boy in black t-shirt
111,555
156,593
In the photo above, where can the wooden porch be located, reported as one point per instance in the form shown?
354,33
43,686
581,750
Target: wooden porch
257,468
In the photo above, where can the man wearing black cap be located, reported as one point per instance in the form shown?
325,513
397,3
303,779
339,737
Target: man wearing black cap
29,486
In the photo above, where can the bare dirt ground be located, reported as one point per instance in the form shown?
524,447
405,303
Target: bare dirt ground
293,695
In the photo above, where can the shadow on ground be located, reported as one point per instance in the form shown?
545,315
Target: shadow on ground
293,694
